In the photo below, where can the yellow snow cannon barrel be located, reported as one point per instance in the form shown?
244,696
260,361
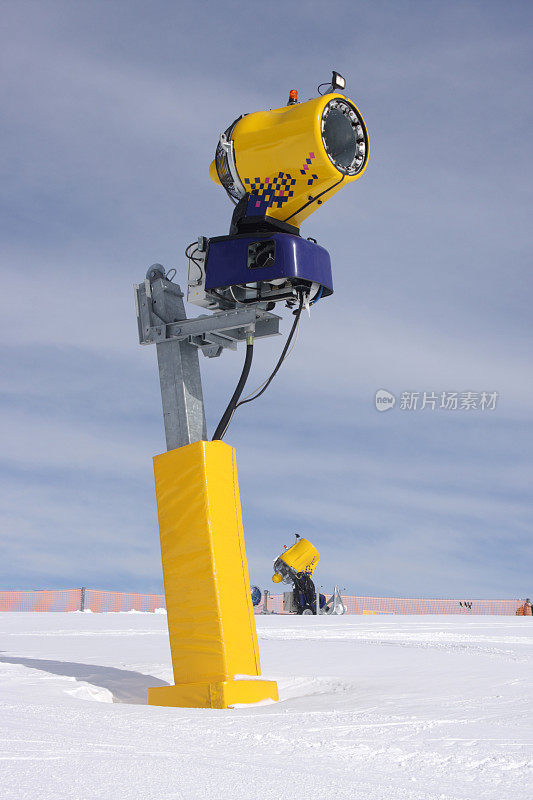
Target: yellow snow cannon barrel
292,159
301,557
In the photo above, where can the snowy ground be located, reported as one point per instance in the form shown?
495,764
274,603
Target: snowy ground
372,708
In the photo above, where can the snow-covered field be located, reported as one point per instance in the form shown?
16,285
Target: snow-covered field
372,708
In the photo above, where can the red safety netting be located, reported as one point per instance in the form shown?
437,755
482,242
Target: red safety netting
400,605
101,600
40,600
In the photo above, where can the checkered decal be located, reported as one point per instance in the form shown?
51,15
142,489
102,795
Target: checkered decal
305,169
270,192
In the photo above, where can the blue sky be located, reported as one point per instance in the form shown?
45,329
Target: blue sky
111,113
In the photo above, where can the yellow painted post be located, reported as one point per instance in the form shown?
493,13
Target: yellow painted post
213,639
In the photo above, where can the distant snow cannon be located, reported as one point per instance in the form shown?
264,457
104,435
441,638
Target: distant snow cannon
301,557
295,566
278,167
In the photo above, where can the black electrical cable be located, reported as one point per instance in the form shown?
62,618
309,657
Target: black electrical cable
191,255
232,405
313,199
297,315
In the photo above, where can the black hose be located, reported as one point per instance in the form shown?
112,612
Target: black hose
234,402
297,315
232,405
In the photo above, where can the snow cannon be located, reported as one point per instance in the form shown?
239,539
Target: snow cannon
290,160
301,557
295,566
277,167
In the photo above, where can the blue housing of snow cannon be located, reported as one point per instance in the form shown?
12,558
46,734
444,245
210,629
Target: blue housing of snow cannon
268,258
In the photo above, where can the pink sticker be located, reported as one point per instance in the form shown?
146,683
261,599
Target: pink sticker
311,155
257,203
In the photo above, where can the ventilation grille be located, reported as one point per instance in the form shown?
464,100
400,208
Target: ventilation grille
223,167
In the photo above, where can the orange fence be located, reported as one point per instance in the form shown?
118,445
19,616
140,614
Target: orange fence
41,600
400,605
102,600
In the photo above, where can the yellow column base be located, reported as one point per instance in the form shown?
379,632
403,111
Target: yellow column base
210,616
221,694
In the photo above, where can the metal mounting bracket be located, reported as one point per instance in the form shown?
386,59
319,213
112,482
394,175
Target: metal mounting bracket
161,318
162,321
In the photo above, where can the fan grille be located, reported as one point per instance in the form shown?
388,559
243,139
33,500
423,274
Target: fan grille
344,136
